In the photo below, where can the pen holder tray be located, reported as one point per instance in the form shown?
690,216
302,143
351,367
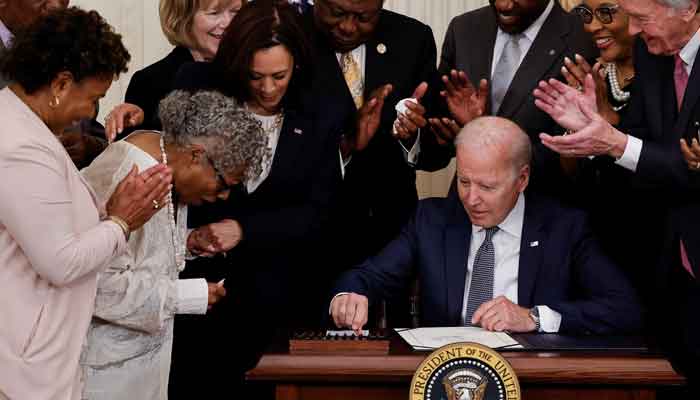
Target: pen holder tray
321,342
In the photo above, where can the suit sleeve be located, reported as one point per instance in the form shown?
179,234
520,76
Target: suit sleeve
136,93
301,220
37,210
605,301
388,272
661,163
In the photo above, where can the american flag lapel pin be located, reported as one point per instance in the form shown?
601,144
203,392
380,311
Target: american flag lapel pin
534,244
298,131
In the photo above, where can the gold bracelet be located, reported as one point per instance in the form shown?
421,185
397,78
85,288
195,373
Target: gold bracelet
122,224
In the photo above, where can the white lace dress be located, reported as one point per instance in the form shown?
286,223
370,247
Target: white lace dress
129,341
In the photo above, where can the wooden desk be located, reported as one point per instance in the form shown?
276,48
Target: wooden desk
542,375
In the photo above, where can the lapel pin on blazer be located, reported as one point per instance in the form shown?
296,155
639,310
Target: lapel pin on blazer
552,52
298,131
381,48
534,244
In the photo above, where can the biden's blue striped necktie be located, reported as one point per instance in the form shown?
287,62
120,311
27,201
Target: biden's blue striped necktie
481,284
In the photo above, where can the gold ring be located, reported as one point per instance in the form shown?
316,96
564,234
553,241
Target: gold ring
155,205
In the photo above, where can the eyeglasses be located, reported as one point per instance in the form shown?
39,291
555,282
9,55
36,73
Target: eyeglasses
220,180
604,14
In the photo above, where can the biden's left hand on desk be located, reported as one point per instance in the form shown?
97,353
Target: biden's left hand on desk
501,314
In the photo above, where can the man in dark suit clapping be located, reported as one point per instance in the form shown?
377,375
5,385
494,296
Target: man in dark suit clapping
362,48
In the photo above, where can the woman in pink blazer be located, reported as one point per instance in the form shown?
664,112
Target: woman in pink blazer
54,236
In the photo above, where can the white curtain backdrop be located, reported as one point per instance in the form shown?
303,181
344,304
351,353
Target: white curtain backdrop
138,22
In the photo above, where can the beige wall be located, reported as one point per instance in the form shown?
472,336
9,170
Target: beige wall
137,21
569,4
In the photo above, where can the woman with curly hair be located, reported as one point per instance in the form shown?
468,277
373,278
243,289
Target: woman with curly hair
265,62
210,143
55,236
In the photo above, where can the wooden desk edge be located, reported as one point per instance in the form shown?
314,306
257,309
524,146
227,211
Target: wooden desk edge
530,368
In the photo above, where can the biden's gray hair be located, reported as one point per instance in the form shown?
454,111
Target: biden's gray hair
231,136
496,131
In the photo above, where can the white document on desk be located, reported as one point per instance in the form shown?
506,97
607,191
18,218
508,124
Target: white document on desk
432,338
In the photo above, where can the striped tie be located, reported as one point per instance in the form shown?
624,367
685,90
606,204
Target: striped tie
481,286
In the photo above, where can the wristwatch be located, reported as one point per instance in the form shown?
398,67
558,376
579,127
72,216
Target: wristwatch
535,315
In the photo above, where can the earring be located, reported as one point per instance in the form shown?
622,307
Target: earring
55,102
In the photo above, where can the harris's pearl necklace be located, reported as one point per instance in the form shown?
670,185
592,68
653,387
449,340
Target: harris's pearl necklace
178,243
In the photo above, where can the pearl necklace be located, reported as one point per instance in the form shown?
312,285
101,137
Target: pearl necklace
618,94
178,243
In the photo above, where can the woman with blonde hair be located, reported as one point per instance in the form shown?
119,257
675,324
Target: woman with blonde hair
195,28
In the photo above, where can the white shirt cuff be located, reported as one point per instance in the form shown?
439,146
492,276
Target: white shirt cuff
343,163
630,157
330,306
192,296
412,155
550,320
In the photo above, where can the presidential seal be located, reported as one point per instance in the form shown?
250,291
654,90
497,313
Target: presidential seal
465,371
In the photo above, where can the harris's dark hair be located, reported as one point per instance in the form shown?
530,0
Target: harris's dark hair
72,40
259,25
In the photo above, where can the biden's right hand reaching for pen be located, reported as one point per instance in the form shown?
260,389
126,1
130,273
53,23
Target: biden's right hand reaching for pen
349,311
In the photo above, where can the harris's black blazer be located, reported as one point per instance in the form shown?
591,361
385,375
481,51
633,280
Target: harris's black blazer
286,213
270,272
150,85
560,266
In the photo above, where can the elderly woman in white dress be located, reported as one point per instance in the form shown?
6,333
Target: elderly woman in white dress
211,144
